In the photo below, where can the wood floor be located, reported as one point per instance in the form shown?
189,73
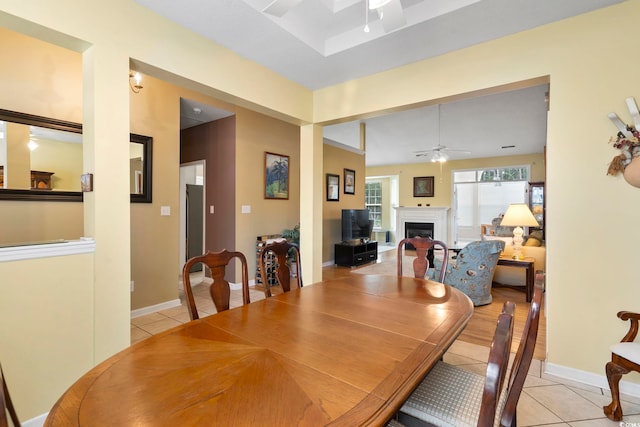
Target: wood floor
482,325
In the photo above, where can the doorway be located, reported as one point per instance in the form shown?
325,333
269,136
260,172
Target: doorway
192,206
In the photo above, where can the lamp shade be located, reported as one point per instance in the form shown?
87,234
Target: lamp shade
519,215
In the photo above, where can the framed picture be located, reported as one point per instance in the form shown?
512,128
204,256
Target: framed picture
349,181
276,176
423,186
333,187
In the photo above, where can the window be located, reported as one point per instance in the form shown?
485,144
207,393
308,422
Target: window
482,194
373,201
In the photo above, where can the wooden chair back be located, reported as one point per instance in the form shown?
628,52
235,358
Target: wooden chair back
7,405
422,262
497,365
619,365
524,354
281,250
219,290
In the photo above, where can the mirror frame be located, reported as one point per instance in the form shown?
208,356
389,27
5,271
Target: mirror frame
40,195
73,196
147,168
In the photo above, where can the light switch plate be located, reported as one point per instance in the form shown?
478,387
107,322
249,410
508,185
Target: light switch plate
246,208
165,210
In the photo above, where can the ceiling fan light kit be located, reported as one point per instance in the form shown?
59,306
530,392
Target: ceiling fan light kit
439,153
439,157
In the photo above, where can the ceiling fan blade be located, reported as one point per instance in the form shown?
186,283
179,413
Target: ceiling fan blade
454,150
280,7
392,16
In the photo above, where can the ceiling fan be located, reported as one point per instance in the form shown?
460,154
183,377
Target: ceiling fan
439,153
390,12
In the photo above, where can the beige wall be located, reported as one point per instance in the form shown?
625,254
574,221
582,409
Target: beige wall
442,176
255,134
46,312
18,157
64,159
154,238
155,112
38,221
576,55
580,56
104,110
335,161
44,80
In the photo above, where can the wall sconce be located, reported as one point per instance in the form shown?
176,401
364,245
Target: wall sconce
134,81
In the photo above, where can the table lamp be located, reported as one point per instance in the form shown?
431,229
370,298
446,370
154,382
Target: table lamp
518,215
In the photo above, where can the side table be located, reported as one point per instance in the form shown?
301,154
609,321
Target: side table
526,263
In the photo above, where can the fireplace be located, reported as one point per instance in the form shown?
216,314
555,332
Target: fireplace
437,217
415,229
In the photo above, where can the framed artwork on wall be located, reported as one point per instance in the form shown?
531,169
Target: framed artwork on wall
333,187
349,181
276,176
423,186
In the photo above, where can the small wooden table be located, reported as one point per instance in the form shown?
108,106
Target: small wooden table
341,352
527,264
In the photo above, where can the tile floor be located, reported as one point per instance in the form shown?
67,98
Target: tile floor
544,402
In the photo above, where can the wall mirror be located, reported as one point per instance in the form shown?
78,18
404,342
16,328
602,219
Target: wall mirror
41,160
140,168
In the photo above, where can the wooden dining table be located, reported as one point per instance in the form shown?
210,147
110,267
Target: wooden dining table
343,352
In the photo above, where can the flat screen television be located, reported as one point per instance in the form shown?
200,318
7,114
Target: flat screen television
356,224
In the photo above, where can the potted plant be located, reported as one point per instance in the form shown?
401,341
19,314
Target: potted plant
292,236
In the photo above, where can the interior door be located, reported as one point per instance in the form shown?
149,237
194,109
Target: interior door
194,223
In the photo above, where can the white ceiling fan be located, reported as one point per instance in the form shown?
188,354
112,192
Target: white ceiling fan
439,153
390,12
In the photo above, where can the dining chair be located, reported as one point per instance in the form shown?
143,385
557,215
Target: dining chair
457,385
282,251
7,405
424,256
625,357
219,290
450,396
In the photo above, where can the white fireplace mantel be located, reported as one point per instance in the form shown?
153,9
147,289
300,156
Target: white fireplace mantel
439,216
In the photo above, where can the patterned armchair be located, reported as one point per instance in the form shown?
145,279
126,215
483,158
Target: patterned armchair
472,271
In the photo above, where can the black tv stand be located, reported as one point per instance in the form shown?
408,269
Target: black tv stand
348,255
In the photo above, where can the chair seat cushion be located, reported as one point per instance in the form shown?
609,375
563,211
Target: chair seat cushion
628,350
448,396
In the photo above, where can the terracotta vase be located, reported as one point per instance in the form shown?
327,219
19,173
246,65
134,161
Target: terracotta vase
632,172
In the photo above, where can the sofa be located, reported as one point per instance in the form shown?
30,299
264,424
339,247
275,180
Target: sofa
513,276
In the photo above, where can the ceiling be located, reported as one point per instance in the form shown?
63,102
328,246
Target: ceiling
318,43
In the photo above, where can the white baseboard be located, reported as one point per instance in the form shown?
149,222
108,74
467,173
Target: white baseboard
584,378
153,308
36,422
